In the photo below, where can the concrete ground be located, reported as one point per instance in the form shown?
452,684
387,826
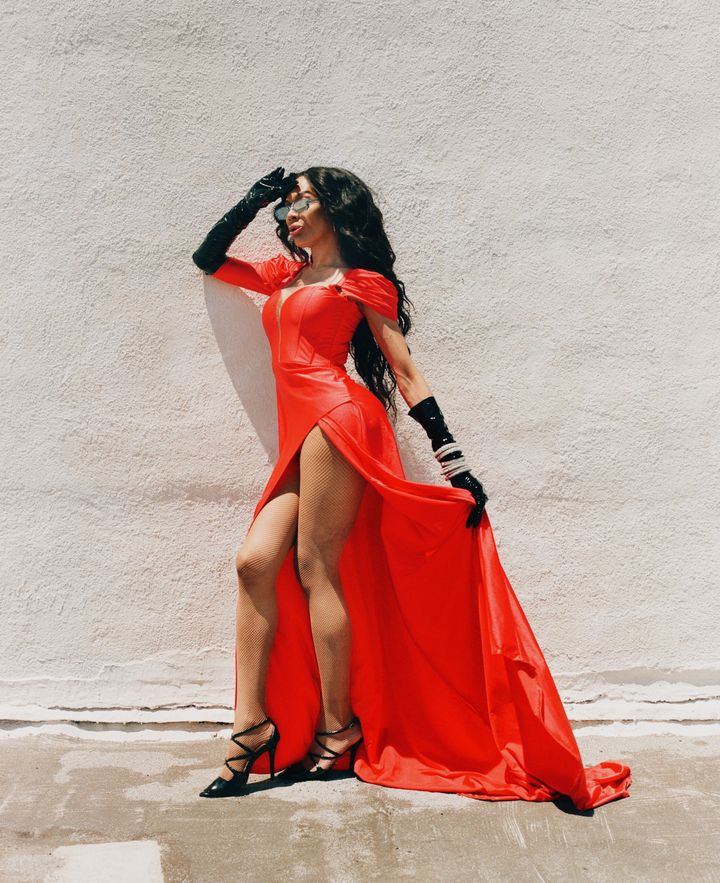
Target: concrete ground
108,806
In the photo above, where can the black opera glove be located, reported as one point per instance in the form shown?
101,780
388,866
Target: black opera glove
211,255
468,481
447,452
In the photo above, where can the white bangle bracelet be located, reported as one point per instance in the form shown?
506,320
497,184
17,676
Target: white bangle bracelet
451,467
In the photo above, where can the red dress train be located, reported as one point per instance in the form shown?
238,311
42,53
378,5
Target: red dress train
451,688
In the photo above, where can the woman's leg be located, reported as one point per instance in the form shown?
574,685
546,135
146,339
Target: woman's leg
331,490
258,562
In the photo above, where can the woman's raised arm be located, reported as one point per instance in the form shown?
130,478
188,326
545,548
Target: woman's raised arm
211,254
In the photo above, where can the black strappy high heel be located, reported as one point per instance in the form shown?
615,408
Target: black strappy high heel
231,787
298,773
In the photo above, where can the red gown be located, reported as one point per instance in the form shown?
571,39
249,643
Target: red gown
451,688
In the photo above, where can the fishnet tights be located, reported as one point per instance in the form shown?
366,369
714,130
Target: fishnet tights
316,510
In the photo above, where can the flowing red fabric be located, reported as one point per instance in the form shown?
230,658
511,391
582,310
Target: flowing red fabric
450,685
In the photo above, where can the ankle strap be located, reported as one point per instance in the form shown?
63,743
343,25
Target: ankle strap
254,727
352,723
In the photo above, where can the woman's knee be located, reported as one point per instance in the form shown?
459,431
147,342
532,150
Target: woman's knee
255,569
315,566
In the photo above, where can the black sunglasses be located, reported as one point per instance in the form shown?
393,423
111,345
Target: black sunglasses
300,205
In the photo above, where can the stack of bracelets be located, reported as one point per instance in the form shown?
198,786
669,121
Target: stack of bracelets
449,454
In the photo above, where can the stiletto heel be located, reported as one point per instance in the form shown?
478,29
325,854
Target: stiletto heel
353,752
271,753
298,773
230,787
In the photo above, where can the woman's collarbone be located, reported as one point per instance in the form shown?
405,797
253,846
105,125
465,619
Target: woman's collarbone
327,280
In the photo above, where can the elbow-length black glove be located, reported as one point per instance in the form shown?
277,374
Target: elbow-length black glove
211,255
447,452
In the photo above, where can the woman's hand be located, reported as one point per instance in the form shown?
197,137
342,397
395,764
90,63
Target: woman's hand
269,188
211,253
468,481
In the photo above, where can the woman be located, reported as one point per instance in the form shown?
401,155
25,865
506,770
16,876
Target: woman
364,597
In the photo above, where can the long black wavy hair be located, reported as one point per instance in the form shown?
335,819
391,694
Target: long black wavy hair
350,206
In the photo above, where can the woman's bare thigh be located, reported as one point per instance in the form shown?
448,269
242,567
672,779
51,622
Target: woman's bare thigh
331,491
272,533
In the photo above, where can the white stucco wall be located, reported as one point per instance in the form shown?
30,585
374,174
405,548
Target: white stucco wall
549,179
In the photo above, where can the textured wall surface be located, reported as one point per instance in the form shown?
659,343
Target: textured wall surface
549,178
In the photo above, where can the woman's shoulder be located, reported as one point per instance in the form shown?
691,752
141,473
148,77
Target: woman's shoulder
361,274
372,289
281,265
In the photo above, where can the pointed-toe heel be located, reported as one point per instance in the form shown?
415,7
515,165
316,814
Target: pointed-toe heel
231,787
298,773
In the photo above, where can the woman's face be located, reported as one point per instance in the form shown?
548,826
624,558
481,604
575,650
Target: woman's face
307,228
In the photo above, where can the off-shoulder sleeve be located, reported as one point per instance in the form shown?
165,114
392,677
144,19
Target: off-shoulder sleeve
261,276
372,289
